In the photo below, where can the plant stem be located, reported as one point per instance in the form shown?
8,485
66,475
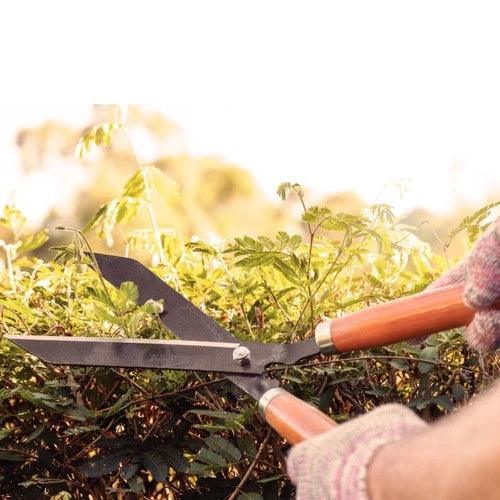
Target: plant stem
276,301
244,479
369,358
149,195
310,298
320,284
10,268
152,217
235,291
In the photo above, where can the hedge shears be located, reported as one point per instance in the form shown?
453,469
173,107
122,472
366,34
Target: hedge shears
204,345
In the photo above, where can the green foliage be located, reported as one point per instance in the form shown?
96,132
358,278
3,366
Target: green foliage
98,135
21,241
474,224
95,431
137,196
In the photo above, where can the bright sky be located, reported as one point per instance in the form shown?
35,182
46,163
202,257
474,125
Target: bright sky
334,95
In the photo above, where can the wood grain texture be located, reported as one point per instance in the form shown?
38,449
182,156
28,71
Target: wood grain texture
402,319
296,420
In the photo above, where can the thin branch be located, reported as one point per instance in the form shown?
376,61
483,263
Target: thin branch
173,394
237,295
245,478
368,358
276,301
320,284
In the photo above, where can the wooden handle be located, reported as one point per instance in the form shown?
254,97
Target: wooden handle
294,419
401,319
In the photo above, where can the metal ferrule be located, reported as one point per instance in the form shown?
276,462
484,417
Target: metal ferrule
265,399
323,338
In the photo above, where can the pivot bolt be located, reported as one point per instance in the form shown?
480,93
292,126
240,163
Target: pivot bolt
241,355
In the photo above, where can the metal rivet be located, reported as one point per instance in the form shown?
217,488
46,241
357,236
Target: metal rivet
241,355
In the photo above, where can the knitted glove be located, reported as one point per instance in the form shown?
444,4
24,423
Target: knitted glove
481,273
334,465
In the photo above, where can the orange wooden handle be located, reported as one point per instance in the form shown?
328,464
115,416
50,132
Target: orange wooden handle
401,319
294,419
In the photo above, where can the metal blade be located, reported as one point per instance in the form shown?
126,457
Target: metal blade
180,316
188,322
136,353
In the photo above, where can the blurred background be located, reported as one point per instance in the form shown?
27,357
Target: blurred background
222,194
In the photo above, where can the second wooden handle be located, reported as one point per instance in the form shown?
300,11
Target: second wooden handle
295,419
401,319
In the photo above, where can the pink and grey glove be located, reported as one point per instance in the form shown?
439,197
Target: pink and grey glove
334,465
480,271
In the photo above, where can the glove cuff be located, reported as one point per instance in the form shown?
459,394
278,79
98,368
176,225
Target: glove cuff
334,465
349,481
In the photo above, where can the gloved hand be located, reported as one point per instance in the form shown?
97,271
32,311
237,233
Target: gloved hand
334,465
480,271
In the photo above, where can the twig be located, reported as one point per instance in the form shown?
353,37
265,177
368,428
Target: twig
244,479
450,380
174,393
237,295
21,452
368,358
276,301
320,284
93,442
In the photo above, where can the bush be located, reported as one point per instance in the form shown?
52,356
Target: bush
74,432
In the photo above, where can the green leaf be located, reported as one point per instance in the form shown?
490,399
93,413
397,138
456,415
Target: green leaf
316,214
202,247
429,353
136,485
249,496
209,457
380,391
33,241
128,292
135,186
62,495
125,209
156,464
199,469
224,447
292,378
11,456
174,457
95,220
116,407
36,433
4,433
472,224
420,403
247,445
443,401
128,470
286,271
165,186
98,135
102,465
458,392
399,364
270,478
73,431
425,367
285,187
295,241
225,415
13,219
18,309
